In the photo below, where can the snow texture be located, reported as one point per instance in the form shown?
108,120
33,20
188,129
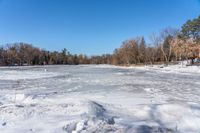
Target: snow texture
100,99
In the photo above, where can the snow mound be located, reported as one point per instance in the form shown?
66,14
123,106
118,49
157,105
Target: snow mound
97,111
95,119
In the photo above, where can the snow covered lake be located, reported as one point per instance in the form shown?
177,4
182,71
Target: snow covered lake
99,99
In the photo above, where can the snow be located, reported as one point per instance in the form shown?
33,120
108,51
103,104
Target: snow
177,69
100,98
16,74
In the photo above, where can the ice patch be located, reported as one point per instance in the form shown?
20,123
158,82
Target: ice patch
97,111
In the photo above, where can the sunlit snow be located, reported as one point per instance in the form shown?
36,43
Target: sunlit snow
99,98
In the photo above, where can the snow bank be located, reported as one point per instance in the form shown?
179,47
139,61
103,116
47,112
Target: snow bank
177,69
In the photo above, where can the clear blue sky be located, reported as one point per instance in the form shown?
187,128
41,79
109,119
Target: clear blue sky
89,26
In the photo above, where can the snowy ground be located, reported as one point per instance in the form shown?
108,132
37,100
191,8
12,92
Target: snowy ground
87,99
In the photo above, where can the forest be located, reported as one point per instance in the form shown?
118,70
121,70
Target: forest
170,45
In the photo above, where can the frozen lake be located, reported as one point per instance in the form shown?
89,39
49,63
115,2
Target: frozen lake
98,98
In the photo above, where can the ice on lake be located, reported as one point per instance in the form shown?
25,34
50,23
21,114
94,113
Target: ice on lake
99,98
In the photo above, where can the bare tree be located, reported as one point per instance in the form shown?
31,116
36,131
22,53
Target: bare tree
166,35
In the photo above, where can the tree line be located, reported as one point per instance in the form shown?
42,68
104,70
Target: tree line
27,54
167,46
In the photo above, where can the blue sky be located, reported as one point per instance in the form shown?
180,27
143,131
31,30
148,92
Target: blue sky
89,26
